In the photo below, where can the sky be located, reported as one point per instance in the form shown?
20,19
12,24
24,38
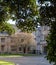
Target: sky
11,22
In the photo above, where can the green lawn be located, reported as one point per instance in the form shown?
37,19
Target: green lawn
17,55
6,63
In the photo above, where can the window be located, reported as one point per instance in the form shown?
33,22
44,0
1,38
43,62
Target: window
20,48
13,48
28,48
2,39
22,40
12,39
2,47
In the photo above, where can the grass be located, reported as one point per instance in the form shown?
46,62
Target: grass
6,63
17,55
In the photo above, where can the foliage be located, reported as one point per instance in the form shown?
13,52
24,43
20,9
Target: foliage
51,47
23,11
48,17
47,11
5,27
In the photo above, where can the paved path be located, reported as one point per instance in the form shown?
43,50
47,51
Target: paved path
37,60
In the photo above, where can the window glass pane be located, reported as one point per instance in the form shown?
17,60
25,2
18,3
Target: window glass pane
22,40
20,48
2,47
13,48
2,39
12,39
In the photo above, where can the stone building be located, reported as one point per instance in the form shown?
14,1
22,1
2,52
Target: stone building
24,43
40,37
17,43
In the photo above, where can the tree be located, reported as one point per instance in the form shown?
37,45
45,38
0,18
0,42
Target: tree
23,11
4,16
48,17
51,47
5,27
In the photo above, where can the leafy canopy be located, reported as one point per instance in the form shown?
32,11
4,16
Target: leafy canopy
48,17
5,27
23,11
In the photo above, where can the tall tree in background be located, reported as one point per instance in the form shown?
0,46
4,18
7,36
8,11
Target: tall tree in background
23,11
4,16
48,17
6,28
